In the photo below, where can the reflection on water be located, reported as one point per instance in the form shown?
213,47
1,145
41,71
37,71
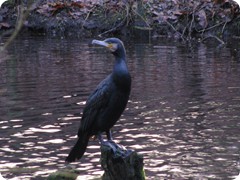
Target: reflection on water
183,113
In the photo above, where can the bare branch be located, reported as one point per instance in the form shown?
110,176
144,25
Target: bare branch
22,16
215,37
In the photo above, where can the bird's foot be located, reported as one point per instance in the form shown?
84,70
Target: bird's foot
109,144
118,146
118,150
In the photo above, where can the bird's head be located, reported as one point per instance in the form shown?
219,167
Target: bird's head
115,45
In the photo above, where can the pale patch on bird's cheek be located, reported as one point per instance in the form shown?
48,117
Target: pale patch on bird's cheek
113,47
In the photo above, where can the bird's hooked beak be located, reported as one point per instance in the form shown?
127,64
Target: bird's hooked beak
111,46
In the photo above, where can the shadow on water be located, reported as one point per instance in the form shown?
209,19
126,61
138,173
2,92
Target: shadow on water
183,113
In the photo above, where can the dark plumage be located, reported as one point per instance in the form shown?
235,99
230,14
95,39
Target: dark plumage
106,104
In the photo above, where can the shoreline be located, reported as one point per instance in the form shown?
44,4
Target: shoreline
197,21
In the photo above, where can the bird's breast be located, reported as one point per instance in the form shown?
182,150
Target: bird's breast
122,78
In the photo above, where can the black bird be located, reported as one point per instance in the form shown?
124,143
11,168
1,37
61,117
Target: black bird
106,104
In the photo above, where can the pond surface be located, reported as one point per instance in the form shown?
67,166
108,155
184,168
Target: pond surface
183,115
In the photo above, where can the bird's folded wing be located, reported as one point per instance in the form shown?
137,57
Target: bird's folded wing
96,103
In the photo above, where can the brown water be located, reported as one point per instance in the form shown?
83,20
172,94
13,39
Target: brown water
183,114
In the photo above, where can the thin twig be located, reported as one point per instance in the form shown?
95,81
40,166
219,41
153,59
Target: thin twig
174,29
212,36
224,26
211,27
114,28
193,18
183,32
119,25
88,14
142,18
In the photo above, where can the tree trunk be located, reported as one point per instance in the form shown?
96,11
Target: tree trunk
119,163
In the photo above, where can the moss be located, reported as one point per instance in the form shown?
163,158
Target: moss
63,175
23,170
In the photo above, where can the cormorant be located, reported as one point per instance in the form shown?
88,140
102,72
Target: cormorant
106,104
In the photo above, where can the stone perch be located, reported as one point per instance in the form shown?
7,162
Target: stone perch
119,163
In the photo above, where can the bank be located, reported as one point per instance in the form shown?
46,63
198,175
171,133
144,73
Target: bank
182,20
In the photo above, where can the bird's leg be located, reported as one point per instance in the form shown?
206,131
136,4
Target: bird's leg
109,135
100,138
110,139
121,149
107,143
102,142
118,150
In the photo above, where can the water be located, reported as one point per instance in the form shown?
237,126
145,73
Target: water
183,115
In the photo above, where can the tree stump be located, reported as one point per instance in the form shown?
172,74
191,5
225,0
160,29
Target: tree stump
119,163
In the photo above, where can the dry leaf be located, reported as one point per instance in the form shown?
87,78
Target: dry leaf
202,19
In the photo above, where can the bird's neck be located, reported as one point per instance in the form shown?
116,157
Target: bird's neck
120,67
121,75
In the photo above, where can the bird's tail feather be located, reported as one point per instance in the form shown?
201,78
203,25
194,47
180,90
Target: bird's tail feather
78,149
